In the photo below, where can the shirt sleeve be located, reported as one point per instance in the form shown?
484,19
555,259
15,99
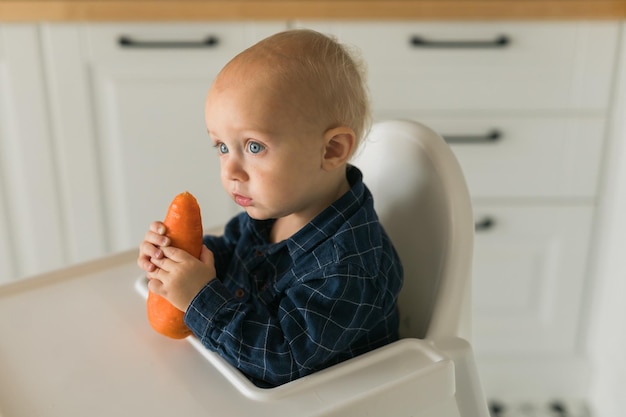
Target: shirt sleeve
319,321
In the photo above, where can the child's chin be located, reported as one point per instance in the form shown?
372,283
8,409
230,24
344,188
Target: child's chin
254,214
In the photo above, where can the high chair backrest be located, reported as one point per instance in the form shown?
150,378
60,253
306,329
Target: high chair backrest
422,200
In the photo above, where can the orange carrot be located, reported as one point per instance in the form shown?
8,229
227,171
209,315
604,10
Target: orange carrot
184,228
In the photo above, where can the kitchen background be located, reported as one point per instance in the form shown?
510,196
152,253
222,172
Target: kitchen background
101,123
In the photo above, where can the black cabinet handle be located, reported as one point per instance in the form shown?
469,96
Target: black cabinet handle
493,135
128,42
501,41
485,224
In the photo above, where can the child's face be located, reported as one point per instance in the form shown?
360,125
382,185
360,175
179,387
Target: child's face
270,154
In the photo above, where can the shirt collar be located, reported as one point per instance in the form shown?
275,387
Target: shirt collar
324,225
328,222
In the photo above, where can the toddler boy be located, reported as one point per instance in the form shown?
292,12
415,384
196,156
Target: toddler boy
305,277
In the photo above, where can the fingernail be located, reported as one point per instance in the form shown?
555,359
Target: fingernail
161,230
166,242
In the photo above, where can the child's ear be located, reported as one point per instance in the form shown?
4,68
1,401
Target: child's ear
339,144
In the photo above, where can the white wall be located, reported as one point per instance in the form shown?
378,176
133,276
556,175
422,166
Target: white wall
607,334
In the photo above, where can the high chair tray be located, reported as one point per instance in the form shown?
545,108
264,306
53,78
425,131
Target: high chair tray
76,342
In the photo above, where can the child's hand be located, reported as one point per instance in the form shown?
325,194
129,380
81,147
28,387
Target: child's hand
173,273
179,276
150,248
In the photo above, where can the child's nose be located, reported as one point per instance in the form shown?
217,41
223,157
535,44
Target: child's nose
233,170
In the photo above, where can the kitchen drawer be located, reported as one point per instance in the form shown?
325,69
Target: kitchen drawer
555,65
524,157
211,43
528,277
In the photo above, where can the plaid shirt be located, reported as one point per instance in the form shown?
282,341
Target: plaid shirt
279,311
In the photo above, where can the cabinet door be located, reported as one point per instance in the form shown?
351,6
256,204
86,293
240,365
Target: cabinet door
144,86
31,234
529,272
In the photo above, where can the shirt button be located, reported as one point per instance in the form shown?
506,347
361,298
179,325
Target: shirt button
239,293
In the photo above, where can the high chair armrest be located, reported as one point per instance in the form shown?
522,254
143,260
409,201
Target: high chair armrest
397,379
469,396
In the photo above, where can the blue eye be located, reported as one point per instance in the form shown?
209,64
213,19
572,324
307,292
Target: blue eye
255,147
222,148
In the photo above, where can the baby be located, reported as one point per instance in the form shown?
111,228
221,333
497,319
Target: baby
305,277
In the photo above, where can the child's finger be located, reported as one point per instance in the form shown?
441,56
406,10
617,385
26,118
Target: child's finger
141,263
148,250
158,227
155,285
145,264
175,254
156,239
164,264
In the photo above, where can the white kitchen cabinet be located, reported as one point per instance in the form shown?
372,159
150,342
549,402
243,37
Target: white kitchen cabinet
31,219
524,106
529,275
136,112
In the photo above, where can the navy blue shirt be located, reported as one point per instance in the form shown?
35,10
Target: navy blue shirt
279,311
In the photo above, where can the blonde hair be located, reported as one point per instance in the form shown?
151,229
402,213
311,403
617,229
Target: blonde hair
323,71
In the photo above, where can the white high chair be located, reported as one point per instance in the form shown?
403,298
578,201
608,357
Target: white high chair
85,347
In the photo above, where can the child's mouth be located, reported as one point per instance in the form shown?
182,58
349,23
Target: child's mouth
242,201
